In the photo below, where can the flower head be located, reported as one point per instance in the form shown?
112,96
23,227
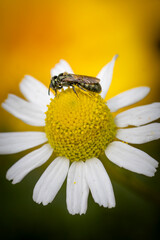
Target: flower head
78,129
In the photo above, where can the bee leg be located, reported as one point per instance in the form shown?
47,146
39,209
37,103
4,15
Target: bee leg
55,92
74,90
85,90
82,88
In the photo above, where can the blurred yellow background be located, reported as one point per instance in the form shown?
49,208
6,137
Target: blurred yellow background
37,34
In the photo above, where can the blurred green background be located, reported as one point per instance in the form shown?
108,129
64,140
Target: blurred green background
35,35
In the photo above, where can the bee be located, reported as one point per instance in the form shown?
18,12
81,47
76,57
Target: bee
85,83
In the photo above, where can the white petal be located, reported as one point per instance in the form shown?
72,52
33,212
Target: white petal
61,67
127,98
140,135
29,162
139,115
51,181
105,75
35,92
77,189
99,183
14,142
131,158
27,112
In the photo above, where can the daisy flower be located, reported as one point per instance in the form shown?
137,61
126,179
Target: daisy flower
78,130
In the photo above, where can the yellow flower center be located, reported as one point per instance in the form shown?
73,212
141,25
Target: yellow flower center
80,127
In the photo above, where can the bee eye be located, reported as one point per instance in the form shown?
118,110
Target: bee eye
54,77
61,74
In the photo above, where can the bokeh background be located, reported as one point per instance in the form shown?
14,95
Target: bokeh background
35,35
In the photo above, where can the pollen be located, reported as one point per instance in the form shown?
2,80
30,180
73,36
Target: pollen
79,127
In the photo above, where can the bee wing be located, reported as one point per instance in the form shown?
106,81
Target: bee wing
81,79
88,79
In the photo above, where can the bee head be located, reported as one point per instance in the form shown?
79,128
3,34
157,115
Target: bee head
61,77
52,84
55,83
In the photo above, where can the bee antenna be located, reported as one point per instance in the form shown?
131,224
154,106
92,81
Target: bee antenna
49,89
